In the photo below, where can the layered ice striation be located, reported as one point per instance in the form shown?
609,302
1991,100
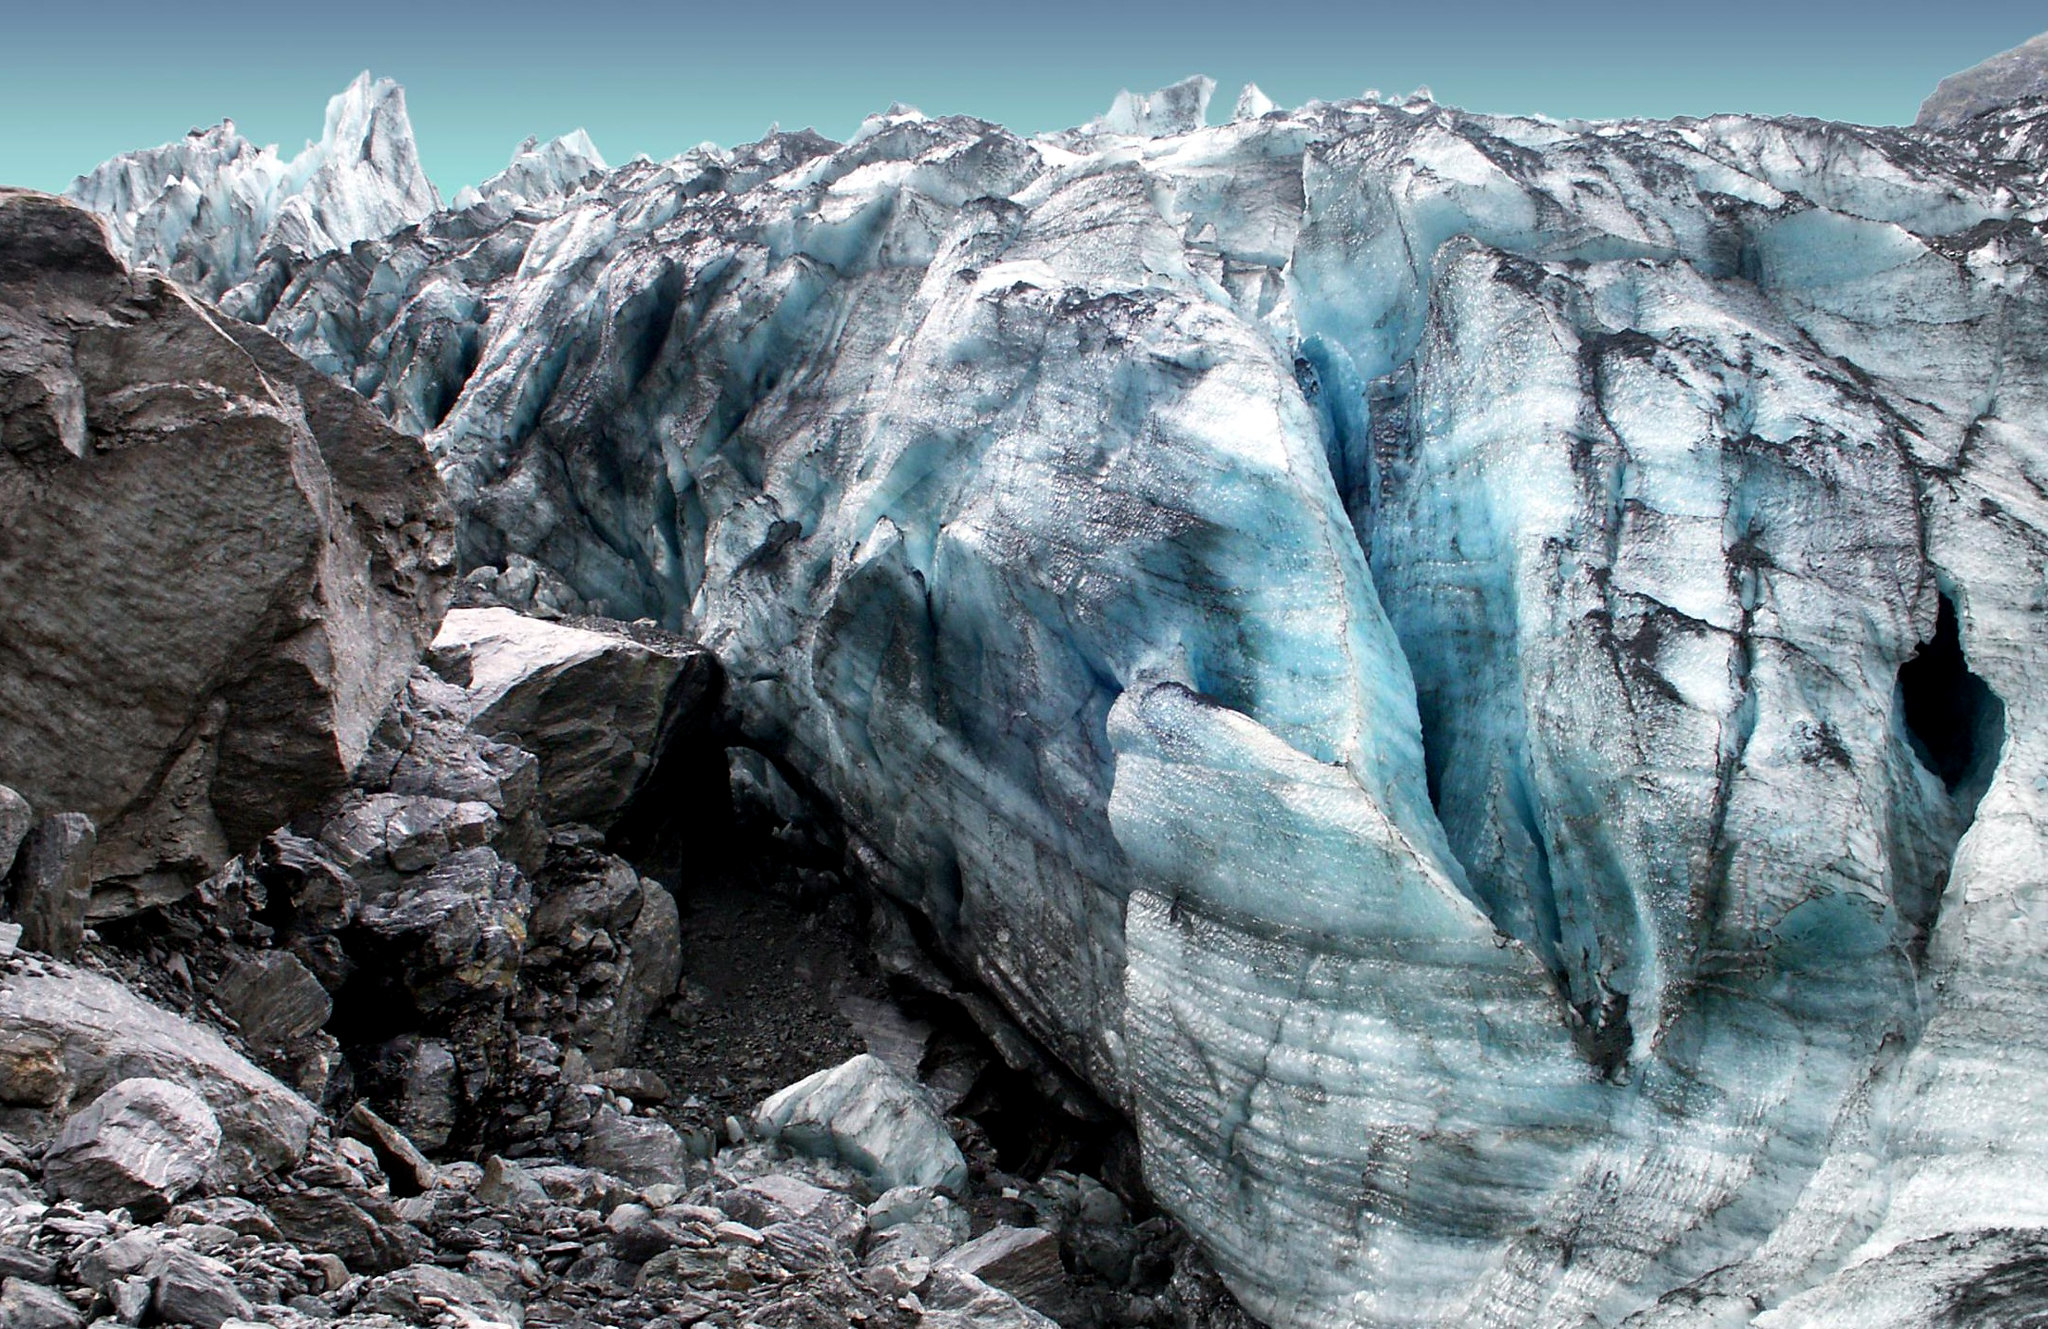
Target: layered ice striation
1477,676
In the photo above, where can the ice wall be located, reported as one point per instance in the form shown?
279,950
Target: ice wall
1386,637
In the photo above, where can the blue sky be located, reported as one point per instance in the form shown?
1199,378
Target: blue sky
82,80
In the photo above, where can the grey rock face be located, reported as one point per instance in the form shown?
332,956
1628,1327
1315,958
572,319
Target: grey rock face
142,1144
956,1299
216,567
640,1150
359,1228
274,998
418,1292
2005,78
596,708
605,951
870,1118
67,1035
1024,1262
53,883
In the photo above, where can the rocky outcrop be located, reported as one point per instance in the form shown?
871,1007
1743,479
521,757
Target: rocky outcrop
216,567
52,883
70,1038
2006,78
140,1145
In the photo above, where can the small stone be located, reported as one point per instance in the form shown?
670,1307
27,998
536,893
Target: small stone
33,1072
420,1293
124,1257
408,1168
360,1228
867,1116
1024,1262
10,939
16,817
193,1289
141,1144
640,1150
20,1262
329,1267
638,1085
131,1298
506,1185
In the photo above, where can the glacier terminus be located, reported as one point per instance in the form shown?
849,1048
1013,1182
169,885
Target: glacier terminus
1481,680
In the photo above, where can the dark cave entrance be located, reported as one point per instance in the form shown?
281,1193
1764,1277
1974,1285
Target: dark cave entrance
1954,721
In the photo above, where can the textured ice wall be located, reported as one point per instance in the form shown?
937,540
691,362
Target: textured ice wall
204,209
1377,632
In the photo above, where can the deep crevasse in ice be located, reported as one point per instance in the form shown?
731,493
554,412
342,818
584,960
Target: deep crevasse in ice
1375,631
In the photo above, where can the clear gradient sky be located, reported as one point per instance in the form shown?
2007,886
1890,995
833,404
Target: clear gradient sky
83,79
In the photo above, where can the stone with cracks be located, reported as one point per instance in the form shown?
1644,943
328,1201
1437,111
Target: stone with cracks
53,884
274,998
16,820
216,566
1024,1262
26,1305
192,1289
141,1144
70,1035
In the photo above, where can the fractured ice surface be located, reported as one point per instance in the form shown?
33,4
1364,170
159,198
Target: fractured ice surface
205,208
1477,676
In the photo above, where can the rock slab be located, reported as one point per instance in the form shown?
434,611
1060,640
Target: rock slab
595,707
53,884
67,1035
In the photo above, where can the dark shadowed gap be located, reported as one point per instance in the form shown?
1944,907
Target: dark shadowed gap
1955,722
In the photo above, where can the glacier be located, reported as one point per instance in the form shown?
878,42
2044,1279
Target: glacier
204,209
1476,677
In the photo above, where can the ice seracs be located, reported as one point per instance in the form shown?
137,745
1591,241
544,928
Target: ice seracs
205,208
539,172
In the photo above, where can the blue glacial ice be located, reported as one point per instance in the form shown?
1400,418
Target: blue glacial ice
1380,634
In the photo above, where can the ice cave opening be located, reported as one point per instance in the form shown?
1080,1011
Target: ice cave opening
1955,722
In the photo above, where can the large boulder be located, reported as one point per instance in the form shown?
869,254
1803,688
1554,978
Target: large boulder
865,1115
67,1036
142,1144
216,566
595,707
